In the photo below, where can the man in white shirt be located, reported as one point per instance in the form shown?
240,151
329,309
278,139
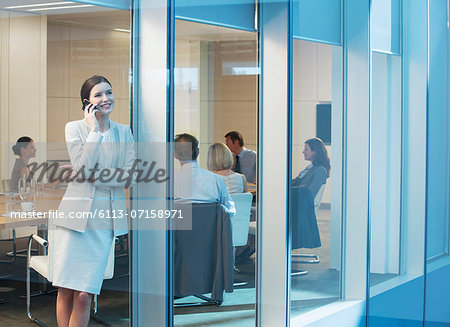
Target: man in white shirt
245,159
194,183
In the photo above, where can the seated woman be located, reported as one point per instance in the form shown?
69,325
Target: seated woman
316,174
25,149
220,161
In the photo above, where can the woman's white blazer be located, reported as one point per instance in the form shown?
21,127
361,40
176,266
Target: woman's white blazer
83,147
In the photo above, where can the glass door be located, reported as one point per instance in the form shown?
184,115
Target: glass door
397,162
216,75
317,113
316,157
49,49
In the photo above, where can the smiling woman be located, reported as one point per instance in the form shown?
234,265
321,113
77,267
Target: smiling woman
48,49
25,149
97,91
370,78
82,246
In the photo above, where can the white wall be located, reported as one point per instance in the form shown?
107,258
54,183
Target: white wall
23,72
75,53
312,84
208,101
187,90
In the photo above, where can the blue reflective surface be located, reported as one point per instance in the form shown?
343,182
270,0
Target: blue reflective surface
318,20
438,139
386,23
238,14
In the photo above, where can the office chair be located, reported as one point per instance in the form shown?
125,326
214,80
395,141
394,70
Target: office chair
240,225
42,264
203,254
312,258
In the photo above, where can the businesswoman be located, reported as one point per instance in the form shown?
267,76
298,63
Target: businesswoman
25,149
315,174
83,239
220,161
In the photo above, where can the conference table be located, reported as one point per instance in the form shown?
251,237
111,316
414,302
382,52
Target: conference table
48,200
251,187
46,203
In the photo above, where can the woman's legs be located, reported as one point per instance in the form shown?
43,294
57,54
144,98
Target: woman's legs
73,308
81,309
64,304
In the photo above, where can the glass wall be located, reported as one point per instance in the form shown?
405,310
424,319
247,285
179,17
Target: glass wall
47,51
351,230
438,160
438,136
386,144
397,166
316,233
386,154
215,92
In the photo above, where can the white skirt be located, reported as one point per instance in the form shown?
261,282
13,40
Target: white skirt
80,259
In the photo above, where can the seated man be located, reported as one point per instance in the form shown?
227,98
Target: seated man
245,159
194,183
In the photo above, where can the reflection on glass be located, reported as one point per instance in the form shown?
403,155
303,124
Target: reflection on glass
317,80
385,167
48,51
438,137
438,162
397,153
216,74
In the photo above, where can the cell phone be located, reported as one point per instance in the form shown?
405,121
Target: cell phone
86,103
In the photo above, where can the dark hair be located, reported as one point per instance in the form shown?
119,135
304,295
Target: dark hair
89,84
320,157
235,136
184,152
21,143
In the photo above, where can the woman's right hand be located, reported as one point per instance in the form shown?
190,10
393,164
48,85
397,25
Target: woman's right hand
91,119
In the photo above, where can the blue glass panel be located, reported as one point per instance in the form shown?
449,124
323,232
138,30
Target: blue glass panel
386,26
318,20
238,14
437,156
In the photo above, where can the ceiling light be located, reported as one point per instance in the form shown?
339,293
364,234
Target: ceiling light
55,8
39,5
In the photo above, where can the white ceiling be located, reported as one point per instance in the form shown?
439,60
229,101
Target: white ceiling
61,3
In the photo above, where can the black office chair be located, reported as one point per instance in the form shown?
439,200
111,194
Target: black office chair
203,254
305,232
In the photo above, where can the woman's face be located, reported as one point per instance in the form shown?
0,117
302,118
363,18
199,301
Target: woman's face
29,151
103,97
308,153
